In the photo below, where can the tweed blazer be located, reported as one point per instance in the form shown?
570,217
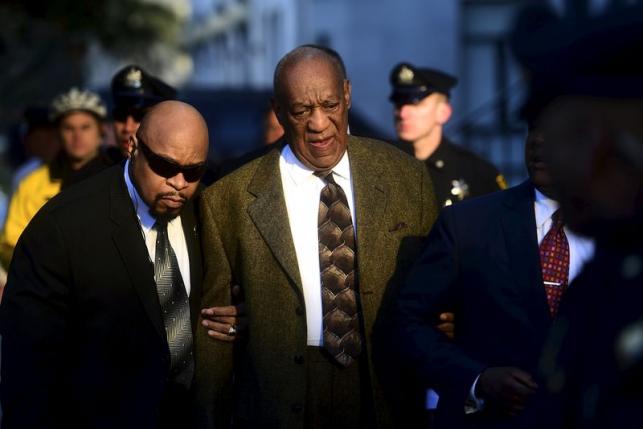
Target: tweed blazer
246,240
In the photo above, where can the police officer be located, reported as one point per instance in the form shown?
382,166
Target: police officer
421,99
134,91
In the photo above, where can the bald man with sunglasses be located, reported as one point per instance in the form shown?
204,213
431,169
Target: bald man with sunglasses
103,293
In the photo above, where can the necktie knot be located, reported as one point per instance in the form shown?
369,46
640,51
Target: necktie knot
326,176
557,221
160,225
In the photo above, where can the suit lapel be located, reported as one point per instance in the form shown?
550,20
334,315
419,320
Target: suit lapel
270,215
189,223
128,239
371,197
522,248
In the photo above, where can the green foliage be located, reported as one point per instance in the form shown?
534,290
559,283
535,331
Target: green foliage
120,26
43,44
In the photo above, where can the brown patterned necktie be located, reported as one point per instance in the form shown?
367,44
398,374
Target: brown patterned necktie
337,255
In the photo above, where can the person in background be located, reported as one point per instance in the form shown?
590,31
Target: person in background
134,92
272,129
40,142
78,116
422,109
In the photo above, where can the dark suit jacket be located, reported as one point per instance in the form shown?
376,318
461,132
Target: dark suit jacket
83,342
247,240
482,262
593,361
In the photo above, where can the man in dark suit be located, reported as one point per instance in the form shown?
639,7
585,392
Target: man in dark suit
484,261
422,109
591,113
103,291
286,227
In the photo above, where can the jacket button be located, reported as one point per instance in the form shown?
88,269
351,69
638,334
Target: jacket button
299,311
299,359
297,408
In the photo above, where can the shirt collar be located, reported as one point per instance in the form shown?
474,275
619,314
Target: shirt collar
299,173
545,208
142,210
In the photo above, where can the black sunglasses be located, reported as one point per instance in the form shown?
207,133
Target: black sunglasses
120,114
168,168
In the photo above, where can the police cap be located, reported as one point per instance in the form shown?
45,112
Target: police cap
133,87
411,84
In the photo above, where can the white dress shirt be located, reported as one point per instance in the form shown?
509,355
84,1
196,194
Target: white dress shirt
581,250
301,191
174,231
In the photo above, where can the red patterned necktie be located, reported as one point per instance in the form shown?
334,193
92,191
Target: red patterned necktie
554,262
337,254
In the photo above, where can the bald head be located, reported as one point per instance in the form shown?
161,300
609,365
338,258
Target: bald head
304,53
169,156
177,126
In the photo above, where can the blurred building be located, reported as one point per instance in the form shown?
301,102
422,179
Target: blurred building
237,43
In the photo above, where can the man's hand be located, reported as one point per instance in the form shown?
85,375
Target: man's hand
446,325
226,323
3,281
505,388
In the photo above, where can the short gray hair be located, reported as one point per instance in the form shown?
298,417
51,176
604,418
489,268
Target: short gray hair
304,52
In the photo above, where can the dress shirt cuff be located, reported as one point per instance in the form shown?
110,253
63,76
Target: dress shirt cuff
473,404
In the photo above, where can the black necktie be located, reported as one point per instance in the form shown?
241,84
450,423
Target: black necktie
337,254
175,307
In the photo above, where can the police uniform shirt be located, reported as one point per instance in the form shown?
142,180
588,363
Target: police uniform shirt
458,173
